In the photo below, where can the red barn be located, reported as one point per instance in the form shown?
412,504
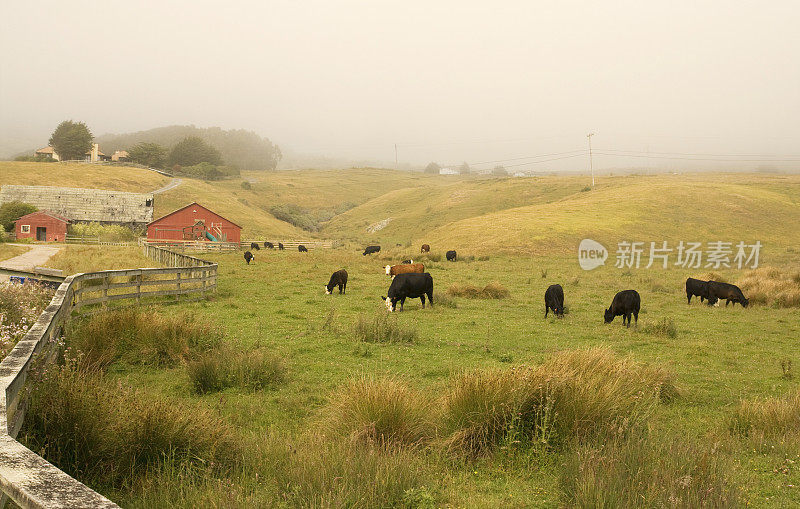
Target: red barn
42,225
193,222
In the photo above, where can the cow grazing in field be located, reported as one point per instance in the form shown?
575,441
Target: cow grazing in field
698,288
302,248
248,257
254,245
728,292
411,285
625,304
371,249
407,261
338,278
269,245
425,248
554,299
404,268
450,255
280,246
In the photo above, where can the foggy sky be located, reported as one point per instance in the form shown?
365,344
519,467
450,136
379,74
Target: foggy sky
446,81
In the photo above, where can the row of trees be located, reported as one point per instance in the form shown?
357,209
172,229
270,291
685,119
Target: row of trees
465,169
188,152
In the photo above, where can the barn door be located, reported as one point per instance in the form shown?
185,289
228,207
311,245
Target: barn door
41,233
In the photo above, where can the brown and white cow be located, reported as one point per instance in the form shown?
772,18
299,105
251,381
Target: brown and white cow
404,268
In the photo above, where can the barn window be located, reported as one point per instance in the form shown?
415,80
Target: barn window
26,228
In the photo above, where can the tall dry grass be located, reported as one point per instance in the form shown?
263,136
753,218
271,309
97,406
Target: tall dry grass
637,473
493,290
771,287
768,416
382,328
107,434
140,336
74,258
220,368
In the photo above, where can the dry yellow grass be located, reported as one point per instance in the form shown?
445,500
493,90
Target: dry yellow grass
91,176
8,251
73,259
772,287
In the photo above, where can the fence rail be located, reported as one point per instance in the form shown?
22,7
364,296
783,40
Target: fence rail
25,477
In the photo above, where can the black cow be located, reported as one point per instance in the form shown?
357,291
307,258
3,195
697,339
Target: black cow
407,262
248,257
410,285
625,303
554,299
727,291
269,245
372,249
254,245
698,288
302,248
338,278
280,246
451,256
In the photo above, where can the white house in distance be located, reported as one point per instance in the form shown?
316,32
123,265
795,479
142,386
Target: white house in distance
92,156
449,171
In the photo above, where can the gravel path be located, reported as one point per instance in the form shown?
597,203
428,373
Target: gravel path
175,182
35,257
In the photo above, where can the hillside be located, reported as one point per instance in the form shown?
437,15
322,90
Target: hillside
90,176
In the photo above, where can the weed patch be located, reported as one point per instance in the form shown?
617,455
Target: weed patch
382,328
215,370
492,290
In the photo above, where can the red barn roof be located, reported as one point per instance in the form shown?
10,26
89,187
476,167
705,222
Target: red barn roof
186,207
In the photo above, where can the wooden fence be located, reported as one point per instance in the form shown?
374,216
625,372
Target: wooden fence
26,478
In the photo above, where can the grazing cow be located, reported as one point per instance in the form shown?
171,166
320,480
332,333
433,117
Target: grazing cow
404,268
451,256
727,291
407,261
338,278
280,246
371,249
554,299
302,248
248,257
698,288
254,245
425,248
625,303
412,285
269,245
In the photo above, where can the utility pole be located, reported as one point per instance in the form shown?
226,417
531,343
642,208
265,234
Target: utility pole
395,156
591,168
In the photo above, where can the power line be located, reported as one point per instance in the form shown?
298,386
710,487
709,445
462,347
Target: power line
699,154
700,158
578,152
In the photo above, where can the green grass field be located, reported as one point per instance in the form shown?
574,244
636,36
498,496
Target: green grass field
522,234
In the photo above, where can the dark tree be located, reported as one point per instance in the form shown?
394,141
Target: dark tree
71,140
13,210
500,171
433,168
148,154
192,151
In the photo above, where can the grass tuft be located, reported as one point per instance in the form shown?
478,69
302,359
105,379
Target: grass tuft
383,328
768,416
648,473
140,336
493,290
215,370
664,327
771,287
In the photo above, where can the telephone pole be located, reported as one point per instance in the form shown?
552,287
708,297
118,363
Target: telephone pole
591,168
395,156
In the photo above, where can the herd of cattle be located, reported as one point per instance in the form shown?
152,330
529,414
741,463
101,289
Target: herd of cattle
410,281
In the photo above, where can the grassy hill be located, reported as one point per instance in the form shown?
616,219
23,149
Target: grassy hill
90,176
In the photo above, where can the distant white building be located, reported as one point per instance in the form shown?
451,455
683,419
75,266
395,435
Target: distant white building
449,171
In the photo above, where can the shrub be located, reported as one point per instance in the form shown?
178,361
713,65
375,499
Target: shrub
383,412
105,232
206,171
13,210
140,336
712,276
107,434
307,219
215,370
20,307
492,290
382,328
246,185
444,300
771,287
639,473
